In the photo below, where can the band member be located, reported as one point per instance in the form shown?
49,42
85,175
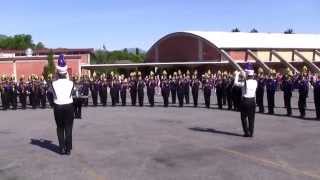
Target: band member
43,92
248,105
180,90
133,88
287,88
260,90
13,92
78,97
230,82
186,87
86,89
151,85
94,88
165,89
49,93
4,93
103,90
219,90
316,94
303,94
207,87
224,87
195,89
123,91
113,90
22,92
271,85
173,87
63,107
140,87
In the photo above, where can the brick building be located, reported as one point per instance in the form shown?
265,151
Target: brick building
19,62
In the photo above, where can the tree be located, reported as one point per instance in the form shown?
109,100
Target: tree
137,51
254,30
50,68
235,30
39,45
19,41
289,31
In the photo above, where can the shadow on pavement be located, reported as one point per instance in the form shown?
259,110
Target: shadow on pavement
208,130
45,144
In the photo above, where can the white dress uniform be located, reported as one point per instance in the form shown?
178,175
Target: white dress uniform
248,103
63,107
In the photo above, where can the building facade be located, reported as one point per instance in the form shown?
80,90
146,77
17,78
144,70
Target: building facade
18,63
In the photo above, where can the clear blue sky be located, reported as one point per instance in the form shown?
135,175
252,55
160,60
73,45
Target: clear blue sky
139,23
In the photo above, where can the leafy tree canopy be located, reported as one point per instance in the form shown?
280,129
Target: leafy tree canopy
20,41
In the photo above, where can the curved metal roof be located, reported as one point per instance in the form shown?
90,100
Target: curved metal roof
260,40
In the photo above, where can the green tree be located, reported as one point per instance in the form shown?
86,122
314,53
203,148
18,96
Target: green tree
19,41
50,68
39,45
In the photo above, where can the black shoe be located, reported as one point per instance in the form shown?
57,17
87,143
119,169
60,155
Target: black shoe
68,152
62,151
246,135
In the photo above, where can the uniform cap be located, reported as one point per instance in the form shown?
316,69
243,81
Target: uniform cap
62,67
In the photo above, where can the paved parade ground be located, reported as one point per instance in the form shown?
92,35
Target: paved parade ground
134,143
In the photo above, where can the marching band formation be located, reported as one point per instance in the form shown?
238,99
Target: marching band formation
175,88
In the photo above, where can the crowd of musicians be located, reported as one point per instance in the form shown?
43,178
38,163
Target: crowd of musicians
176,88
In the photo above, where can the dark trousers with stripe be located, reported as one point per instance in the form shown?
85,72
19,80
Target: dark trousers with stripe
64,116
248,109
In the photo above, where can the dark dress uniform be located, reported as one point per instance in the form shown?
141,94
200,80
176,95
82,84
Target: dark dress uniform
13,95
303,94
133,91
33,94
4,96
173,89
141,85
86,89
123,93
49,94
229,91
113,92
43,94
219,91
260,94
224,90
165,91
117,90
151,85
186,89
180,92
78,97
207,87
316,95
287,88
22,91
103,92
271,86
94,87
195,91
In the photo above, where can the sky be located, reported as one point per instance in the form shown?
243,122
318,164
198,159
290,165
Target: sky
124,24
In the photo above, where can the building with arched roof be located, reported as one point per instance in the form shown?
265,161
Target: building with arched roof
266,50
